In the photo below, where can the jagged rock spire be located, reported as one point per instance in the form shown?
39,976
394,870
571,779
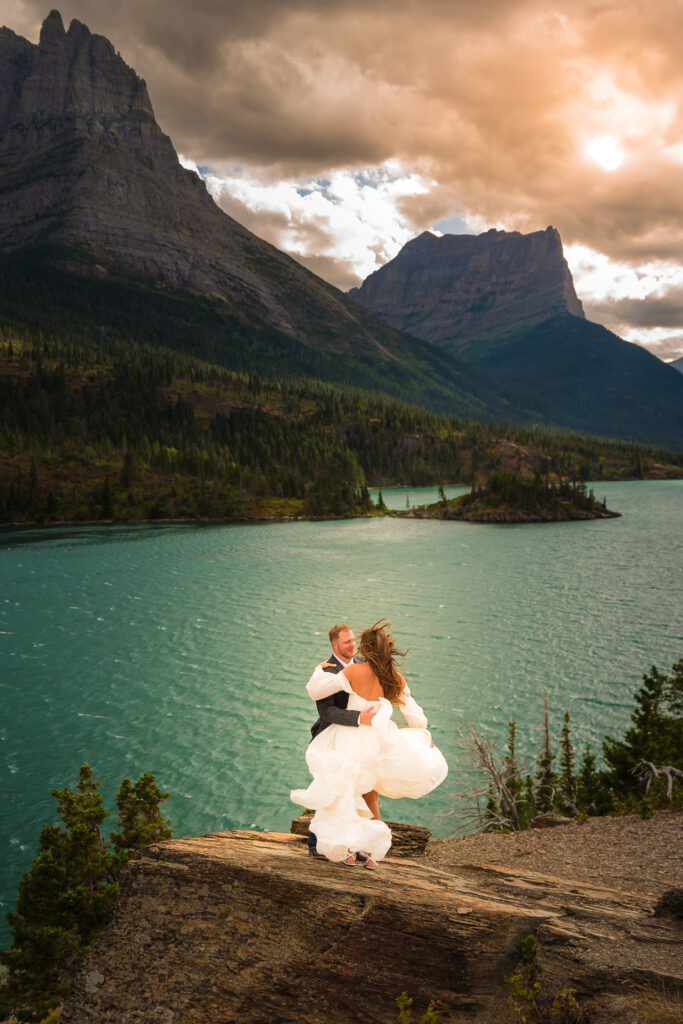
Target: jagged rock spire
52,27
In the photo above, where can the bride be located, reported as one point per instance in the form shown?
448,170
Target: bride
347,762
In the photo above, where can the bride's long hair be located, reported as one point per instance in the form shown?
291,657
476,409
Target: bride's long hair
379,650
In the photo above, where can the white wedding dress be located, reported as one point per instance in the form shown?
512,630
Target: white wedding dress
347,761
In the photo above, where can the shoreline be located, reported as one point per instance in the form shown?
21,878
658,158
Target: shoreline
420,512
494,516
436,511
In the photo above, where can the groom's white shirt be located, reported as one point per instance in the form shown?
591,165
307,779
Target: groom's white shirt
324,684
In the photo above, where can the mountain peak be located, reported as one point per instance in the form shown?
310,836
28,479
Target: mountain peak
79,31
453,289
52,28
69,75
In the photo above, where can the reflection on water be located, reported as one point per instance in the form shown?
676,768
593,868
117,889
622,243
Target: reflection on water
186,653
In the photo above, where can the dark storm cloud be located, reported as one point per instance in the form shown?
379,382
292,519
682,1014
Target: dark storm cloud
666,311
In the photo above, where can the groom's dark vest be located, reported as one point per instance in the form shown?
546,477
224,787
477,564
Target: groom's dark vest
332,710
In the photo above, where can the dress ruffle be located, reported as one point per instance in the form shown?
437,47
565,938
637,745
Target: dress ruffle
408,764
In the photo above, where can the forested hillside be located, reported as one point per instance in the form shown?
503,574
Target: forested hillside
134,432
63,292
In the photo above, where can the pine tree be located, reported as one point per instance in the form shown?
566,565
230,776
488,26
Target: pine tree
139,816
107,502
64,899
657,731
69,892
567,780
546,779
128,470
673,693
33,481
592,796
364,499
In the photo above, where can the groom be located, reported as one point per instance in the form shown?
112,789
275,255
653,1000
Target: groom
332,710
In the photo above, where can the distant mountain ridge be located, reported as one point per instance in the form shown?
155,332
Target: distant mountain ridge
452,289
585,378
506,303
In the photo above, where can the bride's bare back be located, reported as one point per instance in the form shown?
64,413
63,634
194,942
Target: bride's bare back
363,681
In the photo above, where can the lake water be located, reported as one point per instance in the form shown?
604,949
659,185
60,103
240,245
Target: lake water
184,650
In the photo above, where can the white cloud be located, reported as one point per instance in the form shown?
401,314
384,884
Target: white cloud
188,164
662,342
352,217
640,302
596,277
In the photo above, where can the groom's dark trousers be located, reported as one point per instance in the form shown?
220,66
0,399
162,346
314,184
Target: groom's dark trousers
332,711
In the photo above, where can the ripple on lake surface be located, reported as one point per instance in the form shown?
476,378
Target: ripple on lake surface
184,650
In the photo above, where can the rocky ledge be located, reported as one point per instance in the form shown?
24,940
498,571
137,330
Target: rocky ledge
245,927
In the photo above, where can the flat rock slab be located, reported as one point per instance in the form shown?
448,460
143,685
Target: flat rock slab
245,927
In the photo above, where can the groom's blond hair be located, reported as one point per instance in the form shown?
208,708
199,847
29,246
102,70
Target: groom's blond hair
336,630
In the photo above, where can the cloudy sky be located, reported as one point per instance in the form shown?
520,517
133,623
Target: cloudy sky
339,129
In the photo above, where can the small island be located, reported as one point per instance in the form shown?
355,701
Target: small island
508,498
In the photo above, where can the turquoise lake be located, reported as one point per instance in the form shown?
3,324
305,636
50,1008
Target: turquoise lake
184,650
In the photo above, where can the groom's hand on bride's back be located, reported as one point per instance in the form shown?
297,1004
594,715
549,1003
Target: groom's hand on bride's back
367,716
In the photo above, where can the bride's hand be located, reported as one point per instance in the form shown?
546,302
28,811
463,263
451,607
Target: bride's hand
325,664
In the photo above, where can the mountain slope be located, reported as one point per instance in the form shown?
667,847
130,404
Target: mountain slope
585,378
66,292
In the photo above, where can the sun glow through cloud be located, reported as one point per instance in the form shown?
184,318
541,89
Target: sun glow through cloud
606,151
